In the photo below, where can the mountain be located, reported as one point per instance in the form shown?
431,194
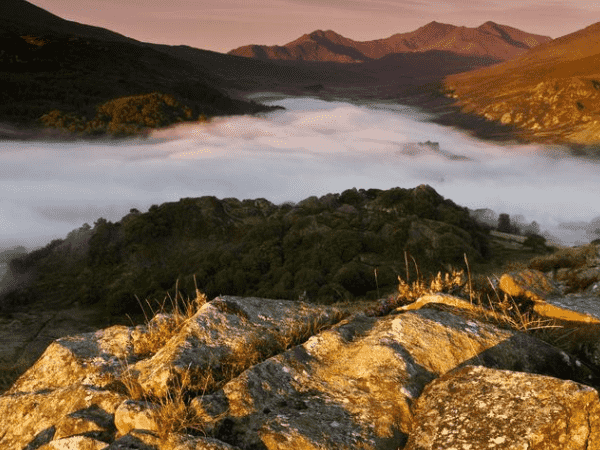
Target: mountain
88,80
18,15
549,94
490,40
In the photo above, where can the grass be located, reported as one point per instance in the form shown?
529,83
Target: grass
162,326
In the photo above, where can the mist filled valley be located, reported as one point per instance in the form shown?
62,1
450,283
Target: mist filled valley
311,148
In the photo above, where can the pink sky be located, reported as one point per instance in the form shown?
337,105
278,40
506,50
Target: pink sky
222,25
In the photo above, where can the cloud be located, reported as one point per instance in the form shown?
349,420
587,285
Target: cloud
312,148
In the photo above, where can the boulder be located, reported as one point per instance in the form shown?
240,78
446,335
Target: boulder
353,385
226,336
94,359
476,408
34,419
530,283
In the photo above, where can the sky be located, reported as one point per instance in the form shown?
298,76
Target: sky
222,25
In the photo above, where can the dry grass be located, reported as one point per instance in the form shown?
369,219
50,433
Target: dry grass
482,301
162,326
174,414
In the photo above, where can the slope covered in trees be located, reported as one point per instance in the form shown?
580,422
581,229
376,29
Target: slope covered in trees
337,247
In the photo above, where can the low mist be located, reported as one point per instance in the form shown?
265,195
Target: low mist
312,148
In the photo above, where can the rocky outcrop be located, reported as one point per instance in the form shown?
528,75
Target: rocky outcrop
575,314
517,410
355,384
225,337
249,373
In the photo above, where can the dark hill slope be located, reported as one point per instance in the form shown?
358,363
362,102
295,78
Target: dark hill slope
48,64
18,15
549,94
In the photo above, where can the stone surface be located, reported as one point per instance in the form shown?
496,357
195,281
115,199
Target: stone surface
136,415
90,358
75,443
36,418
476,407
530,283
579,308
352,386
228,335
185,442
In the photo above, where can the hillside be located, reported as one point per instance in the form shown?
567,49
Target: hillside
322,249
489,41
50,65
549,94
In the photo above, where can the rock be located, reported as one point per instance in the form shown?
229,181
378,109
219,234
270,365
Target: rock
185,442
136,415
577,308
530,283
37,418
75,443
476,408
226,336
137,440
353,385
91,358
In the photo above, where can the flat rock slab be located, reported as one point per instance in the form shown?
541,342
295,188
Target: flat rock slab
353,386
476,407
226,336
531,284
38,418
577,308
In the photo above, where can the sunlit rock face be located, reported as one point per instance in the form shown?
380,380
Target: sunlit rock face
477,407
228,335
356,382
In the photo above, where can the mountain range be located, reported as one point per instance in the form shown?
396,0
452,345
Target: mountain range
494,80
490,40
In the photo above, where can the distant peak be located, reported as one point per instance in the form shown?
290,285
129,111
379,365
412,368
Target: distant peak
321,33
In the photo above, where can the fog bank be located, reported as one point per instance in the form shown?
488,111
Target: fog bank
312,148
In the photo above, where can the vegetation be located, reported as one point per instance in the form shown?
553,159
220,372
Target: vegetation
334,248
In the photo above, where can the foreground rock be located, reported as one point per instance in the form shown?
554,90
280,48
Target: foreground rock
35,419
519,410
225,337
576,314
354,384
351,385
